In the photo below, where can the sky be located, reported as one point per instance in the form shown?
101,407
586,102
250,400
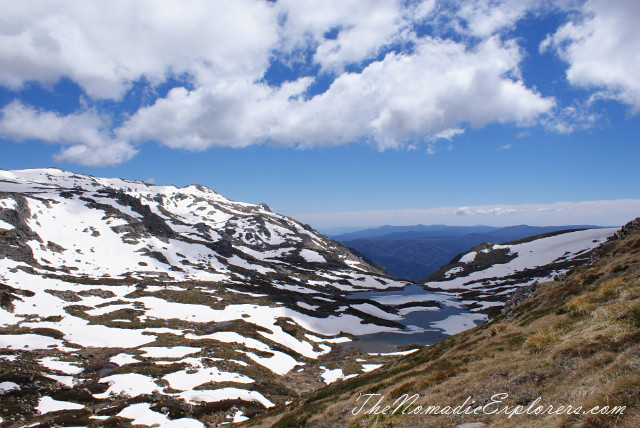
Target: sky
338,112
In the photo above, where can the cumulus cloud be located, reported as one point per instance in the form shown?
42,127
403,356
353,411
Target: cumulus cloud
601,49
392,102
84,136
486,17
361,28
106,46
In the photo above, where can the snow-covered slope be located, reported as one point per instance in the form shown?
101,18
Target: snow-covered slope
116,293
488,275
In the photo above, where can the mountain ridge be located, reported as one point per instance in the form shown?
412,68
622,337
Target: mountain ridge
121,299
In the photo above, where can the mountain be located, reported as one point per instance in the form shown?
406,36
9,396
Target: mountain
487,276
124,301
417,253
575,342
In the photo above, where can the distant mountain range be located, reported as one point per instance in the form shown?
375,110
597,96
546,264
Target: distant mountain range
415,252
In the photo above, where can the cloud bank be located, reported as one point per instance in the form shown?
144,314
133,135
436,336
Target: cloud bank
603,213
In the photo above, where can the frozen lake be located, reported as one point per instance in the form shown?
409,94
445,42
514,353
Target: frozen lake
427,317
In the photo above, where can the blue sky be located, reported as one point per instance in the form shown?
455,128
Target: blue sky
339,113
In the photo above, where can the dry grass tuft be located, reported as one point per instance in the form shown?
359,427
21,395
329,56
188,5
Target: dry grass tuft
541,341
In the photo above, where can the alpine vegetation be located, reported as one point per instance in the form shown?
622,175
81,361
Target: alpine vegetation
122,299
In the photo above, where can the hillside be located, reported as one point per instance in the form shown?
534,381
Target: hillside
123,301
575,342
415,252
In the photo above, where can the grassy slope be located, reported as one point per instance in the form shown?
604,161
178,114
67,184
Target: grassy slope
576,342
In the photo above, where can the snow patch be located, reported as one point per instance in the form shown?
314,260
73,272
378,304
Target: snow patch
48,404
312,256
330,376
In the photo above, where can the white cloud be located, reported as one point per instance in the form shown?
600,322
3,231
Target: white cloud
603,213
84,136
425,95
601,49
105,46
362,28
486,17
469,211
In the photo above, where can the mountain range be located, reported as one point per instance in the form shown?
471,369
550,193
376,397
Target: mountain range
128,303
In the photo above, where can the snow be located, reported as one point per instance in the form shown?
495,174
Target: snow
366,281
141,414
410,351
62,366
459,322
330,376
222,394
170,352
196,374
5,225
469,257
307,306
370,309
354,264
8,386
48,404
131,384
297,288
405,311
531,254
65,380
279,363
8,203
312,256
122,359
329,340
232,337
453,271
28,341
237,261
370,367
78,330
238,417
267,255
